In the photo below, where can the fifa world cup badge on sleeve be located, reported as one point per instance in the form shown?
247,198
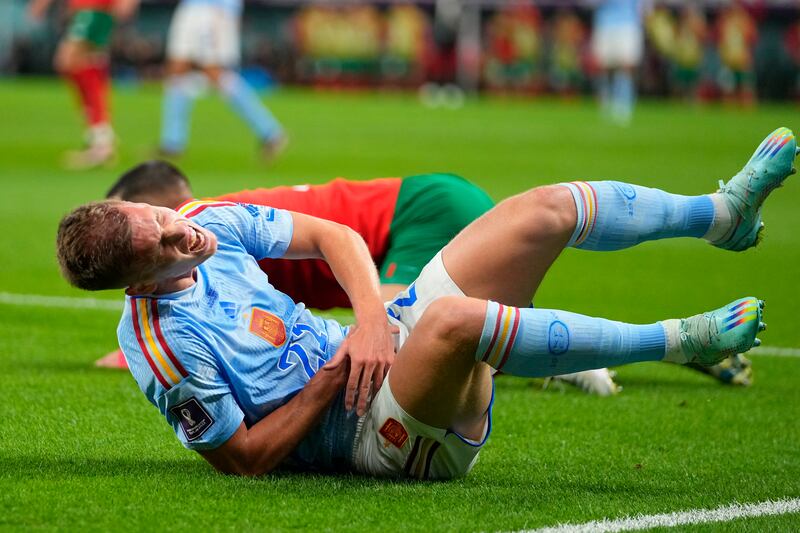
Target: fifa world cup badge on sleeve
194,419
394,432
268,326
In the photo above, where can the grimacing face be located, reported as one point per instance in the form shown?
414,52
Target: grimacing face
167,245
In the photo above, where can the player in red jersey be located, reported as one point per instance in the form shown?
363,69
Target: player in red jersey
404,222
82,59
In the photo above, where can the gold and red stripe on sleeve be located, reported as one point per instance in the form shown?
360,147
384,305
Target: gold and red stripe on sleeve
195,207
160,357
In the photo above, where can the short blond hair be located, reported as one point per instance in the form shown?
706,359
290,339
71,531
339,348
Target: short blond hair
94,247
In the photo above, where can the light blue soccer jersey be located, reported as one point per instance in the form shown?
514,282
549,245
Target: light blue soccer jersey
618,13
232,6
231,348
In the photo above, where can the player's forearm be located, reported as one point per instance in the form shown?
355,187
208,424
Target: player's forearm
269,442
351,263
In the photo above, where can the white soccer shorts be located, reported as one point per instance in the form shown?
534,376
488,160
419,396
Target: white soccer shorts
390,442
618,46
205,35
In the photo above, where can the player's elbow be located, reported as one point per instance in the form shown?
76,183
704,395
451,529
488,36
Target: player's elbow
349,233
241,462
244,468
332,236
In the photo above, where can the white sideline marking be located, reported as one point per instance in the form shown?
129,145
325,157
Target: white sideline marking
697,516
67,302
71,302
774,350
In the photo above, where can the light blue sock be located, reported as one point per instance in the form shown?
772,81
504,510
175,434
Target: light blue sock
545,342
604,91
623,94
614,215
245,101
179,95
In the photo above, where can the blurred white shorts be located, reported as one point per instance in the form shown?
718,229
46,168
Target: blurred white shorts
390,442
205,35
618,46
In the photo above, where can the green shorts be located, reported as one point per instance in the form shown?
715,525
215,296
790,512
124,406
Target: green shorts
91,26
431,209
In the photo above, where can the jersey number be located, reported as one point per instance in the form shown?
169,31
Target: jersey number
297,351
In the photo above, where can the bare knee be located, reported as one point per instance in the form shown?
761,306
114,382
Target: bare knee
455,320
547,211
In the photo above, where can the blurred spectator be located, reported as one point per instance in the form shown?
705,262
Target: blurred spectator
690,45
792,44
514,48
82,58
617,45
661,30
566,52
408,36
205,34
737,36
442,62
339,45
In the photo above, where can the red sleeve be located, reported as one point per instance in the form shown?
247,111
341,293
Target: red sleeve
365,206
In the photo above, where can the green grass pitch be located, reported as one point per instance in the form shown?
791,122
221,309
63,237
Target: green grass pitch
80,448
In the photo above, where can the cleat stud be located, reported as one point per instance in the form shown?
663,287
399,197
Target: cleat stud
762,304
793,171
762,326
797,151
757,342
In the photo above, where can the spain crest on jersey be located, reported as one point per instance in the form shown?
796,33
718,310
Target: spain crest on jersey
268,326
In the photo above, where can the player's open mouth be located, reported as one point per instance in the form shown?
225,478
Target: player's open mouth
199,241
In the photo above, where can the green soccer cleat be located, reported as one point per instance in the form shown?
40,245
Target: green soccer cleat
745,193
708,338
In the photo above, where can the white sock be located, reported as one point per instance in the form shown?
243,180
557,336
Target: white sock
674,353
101,135
723,219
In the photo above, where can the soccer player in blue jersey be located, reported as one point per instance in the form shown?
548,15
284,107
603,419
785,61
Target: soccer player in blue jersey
252,381
618,45
204,35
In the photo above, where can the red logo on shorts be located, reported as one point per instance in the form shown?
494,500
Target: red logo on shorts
394,432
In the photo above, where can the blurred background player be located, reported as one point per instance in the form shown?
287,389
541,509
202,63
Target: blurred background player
82,58
205,35
618,46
